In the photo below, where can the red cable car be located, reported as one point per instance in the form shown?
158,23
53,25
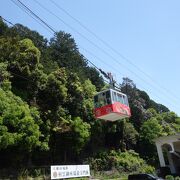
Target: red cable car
111,105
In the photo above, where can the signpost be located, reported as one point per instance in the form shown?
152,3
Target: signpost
69,171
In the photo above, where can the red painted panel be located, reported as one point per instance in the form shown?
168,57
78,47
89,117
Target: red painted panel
103,110
121,108
117,107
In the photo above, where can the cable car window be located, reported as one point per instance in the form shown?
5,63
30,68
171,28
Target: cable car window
95,99
108,97
102,99
120,98
115,97
96,104
125,100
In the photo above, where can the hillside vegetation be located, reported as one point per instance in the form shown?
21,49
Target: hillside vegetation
46,109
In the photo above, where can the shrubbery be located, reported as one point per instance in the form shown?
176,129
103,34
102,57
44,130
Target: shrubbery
128,161
170,177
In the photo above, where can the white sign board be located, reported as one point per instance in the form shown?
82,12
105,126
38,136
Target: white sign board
69,171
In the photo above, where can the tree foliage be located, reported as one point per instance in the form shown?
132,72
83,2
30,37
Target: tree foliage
19,124
151,130
128,161
46,104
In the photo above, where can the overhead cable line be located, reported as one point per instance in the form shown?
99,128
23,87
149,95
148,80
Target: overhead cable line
100,70
98,47
84,37
109,65
25,32
147,90
46,24
29,14
6,21
110,47
36,16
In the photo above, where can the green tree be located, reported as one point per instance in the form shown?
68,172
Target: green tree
23,32
158,107
130,135
4,77
137,103
93,75
54,92
64,51
169,117
3,27
150,130
81,133
22,59
19,126
89,91
169,121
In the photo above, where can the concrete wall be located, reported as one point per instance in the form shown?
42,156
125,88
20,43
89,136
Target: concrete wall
171,146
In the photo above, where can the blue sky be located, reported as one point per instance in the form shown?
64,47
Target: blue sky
146,32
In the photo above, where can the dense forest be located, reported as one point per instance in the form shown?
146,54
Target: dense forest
46,109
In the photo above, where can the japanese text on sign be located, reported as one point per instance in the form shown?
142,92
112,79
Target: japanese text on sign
69,171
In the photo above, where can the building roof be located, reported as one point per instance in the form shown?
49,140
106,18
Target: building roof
171,138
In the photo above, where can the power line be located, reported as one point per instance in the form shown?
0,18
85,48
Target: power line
28,13
23,31
6,21
78,33
60,19
84,37
100,70
108,65
86,59
158,97
36,16
111,48
29,79
91,42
